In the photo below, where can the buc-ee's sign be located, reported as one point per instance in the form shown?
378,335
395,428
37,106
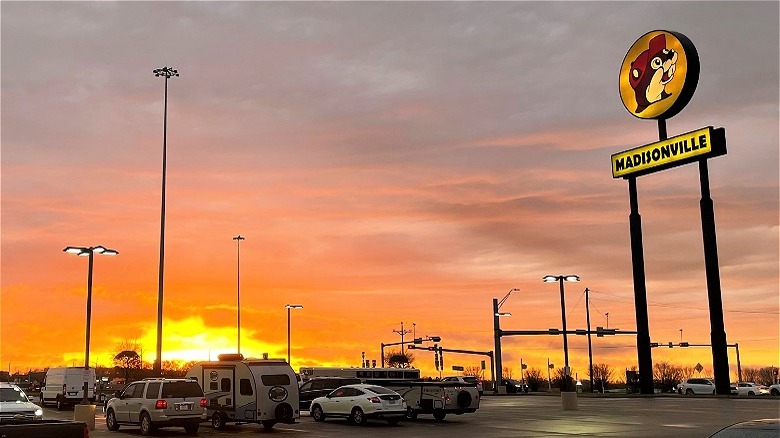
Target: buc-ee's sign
659,75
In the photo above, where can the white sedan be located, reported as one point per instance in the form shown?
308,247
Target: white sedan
358,403
750,388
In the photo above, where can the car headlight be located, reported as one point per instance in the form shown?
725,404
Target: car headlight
39,413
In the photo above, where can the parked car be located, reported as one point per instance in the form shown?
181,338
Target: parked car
696,385
358,403
157,402
14,404
514,386
750,388
769,428
774,389
321,386
468,380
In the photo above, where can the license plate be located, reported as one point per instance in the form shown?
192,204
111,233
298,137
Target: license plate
392,402
184,407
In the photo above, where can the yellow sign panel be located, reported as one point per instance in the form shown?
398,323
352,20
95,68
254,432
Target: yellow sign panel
682,149
659,75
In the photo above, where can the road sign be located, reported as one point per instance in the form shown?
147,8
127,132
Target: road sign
698,368
457,368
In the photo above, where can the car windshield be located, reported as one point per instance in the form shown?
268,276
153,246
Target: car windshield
379,390
12,395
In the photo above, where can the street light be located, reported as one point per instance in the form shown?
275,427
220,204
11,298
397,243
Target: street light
238,240
88,251
167,73
497,336
288,307
560,279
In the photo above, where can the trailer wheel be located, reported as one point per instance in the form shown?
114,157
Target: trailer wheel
268,425
411,414
439,414
218,421
464,399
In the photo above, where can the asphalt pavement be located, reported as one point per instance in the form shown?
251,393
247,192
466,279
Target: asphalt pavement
531,415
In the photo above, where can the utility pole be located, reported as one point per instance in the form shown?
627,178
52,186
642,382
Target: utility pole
402,332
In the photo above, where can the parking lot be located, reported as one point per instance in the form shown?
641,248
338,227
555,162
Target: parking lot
536,415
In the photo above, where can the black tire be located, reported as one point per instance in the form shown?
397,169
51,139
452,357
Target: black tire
111,423
411,414
60,403
357,416
43,404
464,399
192,428
146,424
393,421
751,393
775,392
218,421
268,425
317,414
689,391
439,414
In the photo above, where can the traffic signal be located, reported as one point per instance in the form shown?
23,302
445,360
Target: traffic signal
418,340
435,338
684,344
483,364
373,363
436,357
441,358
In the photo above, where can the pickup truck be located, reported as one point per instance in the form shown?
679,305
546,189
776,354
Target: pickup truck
43,429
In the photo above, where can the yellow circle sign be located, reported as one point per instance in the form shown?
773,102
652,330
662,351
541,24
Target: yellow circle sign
659,75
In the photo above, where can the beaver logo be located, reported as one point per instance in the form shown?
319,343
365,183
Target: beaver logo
651,71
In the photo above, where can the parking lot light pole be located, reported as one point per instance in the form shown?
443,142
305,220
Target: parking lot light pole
497,336
290,306
560,279
238,240
88,251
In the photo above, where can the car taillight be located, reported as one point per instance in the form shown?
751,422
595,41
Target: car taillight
204,402
161,404
374,400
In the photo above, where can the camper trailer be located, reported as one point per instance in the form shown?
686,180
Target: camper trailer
241,390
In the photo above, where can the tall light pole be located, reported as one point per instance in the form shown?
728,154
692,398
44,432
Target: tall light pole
238,240
88,251
167,73
560,279
590,346
497,336
290,306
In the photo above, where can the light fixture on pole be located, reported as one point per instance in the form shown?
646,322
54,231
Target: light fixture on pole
88,251
238,240
288,307
560,279
497,337
167,73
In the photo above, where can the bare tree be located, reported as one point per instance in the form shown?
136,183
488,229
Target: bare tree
394,359
534,378
506,373
475,371
602,376
667,376
128,356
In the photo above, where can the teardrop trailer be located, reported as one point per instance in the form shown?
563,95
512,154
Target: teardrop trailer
239,390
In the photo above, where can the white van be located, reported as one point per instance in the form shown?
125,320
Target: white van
65,386
242,390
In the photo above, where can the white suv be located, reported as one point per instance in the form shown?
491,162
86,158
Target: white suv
696,385
15,405
157,402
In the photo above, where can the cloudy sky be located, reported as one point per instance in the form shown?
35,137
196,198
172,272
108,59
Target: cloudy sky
386,162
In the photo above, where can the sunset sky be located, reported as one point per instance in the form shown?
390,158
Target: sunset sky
386,162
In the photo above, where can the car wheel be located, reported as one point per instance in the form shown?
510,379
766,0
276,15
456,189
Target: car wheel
751,393
192,428
439,414
60,403
218,421
689,391
317,414
146,424
357,417
393,421
411,414
111,423
775,392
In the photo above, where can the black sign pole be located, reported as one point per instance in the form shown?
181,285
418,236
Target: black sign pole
720,357
644,354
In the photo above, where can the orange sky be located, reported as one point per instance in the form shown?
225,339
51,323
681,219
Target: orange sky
377,176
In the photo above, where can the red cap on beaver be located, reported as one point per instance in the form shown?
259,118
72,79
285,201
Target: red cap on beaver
639,66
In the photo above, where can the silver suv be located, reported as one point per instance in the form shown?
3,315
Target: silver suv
696,386
157,402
